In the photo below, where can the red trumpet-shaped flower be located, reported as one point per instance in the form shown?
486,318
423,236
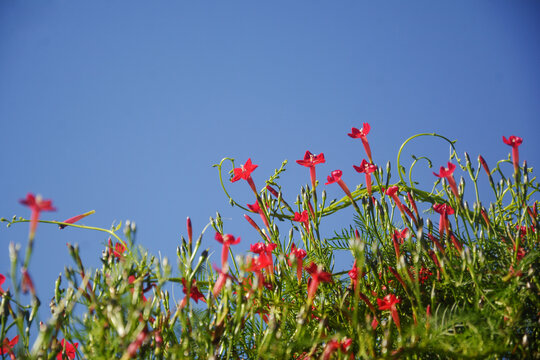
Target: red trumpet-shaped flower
397,239
298,255
69,350
36,205
27,285
194,293
257,265
336,177
302,217
448,174
317,276
227,240
392,192
389,302
256,208
361,134
74,219
8,345
221,280
514,142
266,251
367,169
244,172
2,279
444,210
118,250
333,345
310,160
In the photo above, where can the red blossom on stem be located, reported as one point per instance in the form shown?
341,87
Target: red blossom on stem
257,209
397,239
227,240
389,302
69,350
367,169
244,172
27,284
448,174
317,276
257,265
413,204
336,177
362,135
444,210
221,280
264,250
514,142
485,166
189,230
74,219
2,280
194,293
298,255
8,345
36,205
118,250
302,217
392,192
333,345
310,160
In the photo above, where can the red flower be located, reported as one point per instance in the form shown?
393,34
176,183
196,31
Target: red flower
70,350
361,134
194,293
298,255
221,280
7,345
27,284
227,240
389,302
244,172
76,218
257,265
264,251
514,142
317,276
334,345
118,250
444,210
2,279
485,166
310,161
256,208
36,205
353,274
392,192
397,239
302,217
336,177
131,280
448,174
367,169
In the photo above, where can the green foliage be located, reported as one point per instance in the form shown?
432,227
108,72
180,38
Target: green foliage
463,284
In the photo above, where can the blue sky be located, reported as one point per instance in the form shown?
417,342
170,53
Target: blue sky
123,107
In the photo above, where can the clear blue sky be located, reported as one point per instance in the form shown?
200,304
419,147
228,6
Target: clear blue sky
123,107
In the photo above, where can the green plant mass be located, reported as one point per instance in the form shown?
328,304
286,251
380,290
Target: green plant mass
434,274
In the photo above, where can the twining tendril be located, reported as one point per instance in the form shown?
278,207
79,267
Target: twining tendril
401,169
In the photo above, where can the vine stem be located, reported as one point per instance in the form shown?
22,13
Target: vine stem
401,172
110,232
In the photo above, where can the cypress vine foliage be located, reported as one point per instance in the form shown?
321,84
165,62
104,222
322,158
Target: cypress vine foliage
428,274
